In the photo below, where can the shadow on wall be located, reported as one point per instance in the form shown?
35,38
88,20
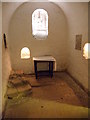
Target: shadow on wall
20,35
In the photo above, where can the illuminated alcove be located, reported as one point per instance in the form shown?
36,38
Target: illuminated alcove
25,53
40,24
86,51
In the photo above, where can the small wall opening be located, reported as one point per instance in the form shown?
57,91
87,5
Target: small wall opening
86,51
25,53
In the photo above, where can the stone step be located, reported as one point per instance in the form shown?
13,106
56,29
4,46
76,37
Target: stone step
16,87
24,88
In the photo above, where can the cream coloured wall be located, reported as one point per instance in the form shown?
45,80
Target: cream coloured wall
6,69
0,60
89,42
6,64
77,16
20,35
8,8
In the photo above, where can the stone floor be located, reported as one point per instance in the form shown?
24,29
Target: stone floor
58,97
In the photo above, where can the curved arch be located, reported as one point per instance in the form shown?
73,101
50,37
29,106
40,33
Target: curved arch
22,3
25,53
40,24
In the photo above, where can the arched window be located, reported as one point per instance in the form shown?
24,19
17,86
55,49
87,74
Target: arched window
40,24
86,51
25,53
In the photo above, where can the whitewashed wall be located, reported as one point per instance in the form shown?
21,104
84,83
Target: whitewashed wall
77,16
6,69
20,35
0,60
6,64
65,22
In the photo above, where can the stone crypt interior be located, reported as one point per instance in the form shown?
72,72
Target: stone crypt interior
45,59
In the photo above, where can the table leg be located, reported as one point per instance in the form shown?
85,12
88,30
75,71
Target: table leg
35,67
51,68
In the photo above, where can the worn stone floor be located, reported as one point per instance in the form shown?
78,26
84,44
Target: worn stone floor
46,97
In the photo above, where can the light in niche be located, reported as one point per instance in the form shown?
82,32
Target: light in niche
86,51
25,53
40,24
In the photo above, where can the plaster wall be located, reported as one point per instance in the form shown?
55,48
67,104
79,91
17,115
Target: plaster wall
60,42
6,64
77,16
89,42
0,60
6,69
20,35
8,8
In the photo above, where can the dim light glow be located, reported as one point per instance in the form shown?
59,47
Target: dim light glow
40,24
86,51
25,53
